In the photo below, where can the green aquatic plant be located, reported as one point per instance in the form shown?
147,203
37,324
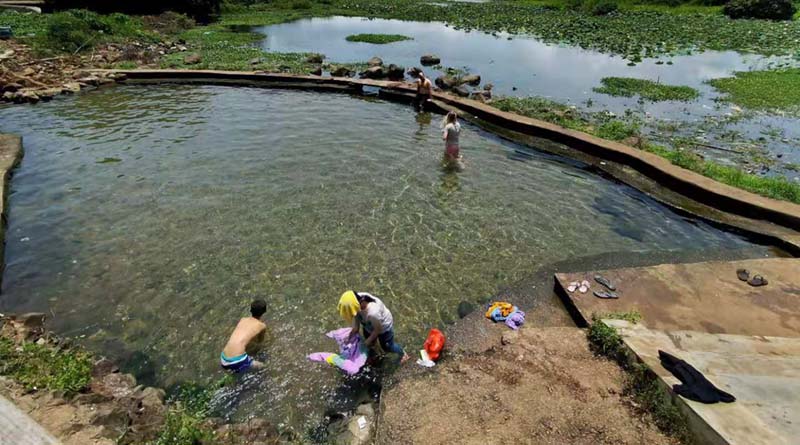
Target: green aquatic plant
763,90
617,130
646,89
378,39
41,367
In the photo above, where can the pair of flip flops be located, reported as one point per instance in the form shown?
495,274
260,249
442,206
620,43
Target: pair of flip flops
755,280
606,295
580,286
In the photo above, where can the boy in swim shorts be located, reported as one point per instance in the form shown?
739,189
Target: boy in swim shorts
234,356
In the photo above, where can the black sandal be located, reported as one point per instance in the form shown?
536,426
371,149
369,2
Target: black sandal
743,274
757,281
605,282
605,295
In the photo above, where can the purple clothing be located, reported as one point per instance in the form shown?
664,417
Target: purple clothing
515,319
352,352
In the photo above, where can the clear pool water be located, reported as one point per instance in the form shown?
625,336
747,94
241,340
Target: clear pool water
145,219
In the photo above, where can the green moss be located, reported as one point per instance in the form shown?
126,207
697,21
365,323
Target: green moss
378,39
632,316
646,89
44,367
764,90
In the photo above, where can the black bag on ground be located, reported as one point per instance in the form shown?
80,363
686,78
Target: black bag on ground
695,386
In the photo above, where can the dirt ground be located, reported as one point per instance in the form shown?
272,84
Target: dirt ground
543,387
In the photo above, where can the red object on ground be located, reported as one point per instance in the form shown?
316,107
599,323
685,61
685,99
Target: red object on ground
434,344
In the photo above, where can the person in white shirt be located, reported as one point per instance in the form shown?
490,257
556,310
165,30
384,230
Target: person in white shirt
378,324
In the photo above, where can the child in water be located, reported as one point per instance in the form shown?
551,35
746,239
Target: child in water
450,133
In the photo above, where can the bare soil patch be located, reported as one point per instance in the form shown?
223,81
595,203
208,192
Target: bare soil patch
543,386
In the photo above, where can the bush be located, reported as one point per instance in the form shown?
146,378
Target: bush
760,9
600,7
593,7
69,33
202,10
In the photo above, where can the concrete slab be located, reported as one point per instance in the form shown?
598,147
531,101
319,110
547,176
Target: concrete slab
763,373
704,297
18,429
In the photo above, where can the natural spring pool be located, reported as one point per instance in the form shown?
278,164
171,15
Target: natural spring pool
145,219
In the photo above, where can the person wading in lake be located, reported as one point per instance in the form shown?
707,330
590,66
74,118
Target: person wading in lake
451,131
424,89
378,324
249,332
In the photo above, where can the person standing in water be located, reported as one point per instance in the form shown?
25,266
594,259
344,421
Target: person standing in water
248,331
424,91
450,134
378,324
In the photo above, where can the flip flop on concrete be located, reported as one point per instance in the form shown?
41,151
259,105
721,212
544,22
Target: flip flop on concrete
584,287
573,286
757,281
743,274
605,282
606,295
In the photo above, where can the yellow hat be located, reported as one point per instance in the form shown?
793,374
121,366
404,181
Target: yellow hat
348,306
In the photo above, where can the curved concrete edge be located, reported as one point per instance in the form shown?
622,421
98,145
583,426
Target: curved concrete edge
10,155
693,185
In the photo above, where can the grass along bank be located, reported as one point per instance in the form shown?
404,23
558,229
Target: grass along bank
777,90
645,89
609,127
378,39
41,367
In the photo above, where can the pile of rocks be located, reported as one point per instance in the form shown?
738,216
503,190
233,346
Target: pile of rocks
377,70
25,78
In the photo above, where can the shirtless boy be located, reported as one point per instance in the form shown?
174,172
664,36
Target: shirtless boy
234,356
424,88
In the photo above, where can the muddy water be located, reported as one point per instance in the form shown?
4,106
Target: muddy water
524,66
144,220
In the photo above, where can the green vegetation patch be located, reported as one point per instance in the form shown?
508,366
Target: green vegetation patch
646,89
378,39
543,109
221,48
74,30
632,316
764,90
44,367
